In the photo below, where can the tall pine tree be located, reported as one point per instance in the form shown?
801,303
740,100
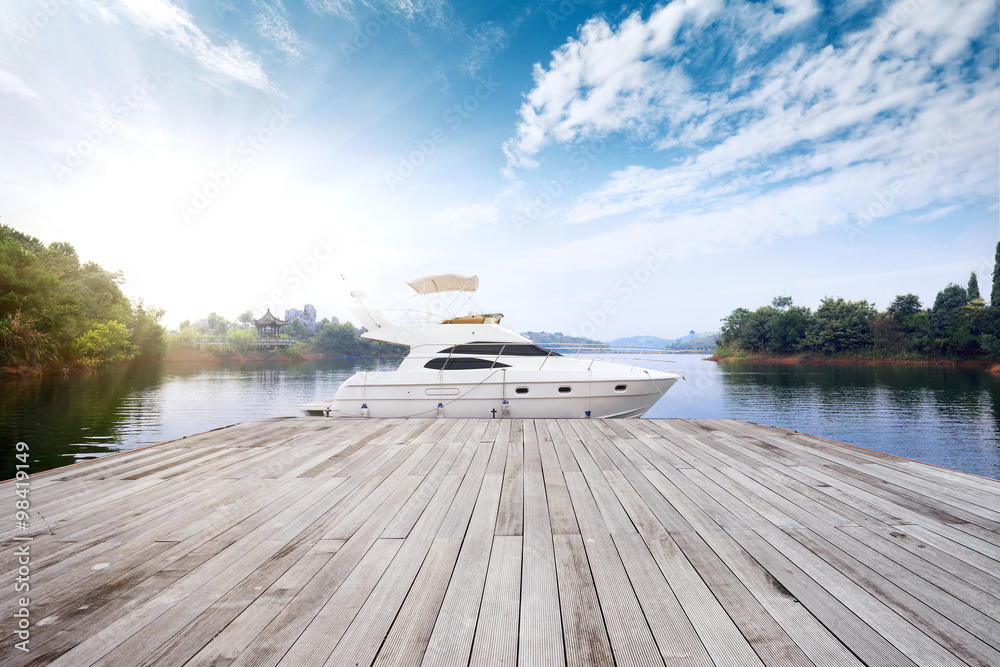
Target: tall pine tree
974,287
995,295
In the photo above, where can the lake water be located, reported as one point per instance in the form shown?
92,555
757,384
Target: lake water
946,416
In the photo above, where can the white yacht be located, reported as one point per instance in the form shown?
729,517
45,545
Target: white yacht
470,366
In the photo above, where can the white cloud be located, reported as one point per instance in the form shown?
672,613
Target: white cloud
176,26
487,39
875,125
13,85
607,80
342,8
271,22
434,12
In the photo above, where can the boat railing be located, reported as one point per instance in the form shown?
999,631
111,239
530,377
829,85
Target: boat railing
628,355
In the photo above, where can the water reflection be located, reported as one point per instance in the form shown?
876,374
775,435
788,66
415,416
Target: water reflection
68,418
946,416
941,415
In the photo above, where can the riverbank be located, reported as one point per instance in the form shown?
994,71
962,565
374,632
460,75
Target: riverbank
179,356
991,365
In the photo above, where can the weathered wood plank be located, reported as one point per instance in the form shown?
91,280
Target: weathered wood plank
232,641
540,636
496,637
510,520
631,640
362,639
586,637
317,641
451,641
676,638
411,629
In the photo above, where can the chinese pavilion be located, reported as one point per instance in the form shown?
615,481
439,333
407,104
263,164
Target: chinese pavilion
269,326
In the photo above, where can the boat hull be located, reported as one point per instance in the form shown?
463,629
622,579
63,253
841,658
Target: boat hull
499,393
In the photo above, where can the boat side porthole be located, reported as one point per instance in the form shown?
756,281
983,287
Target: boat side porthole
621,388
521,390
565,390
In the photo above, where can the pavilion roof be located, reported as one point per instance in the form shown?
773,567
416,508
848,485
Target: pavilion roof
268,318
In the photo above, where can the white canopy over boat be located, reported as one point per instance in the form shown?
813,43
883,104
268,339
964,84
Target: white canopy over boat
448,282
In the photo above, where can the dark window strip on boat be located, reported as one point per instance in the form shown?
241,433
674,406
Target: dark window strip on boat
461,364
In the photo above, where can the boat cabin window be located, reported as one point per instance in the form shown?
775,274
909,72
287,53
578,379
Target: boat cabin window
507,349
521,390
565,390
462,364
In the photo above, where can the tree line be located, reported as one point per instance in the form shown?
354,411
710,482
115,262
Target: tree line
330,338
959,325
56,311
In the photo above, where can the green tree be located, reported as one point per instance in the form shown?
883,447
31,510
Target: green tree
995,294
733,328
789,328
887,335
187,337
947,305
338,339
973,290
987,329
904,307
841,326
245,318
297,330
50,300
29,243
241,340
905,311
21,343
104,342
148,335
757,331
218,324
782,302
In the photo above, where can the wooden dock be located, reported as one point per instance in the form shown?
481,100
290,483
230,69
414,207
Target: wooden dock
317,541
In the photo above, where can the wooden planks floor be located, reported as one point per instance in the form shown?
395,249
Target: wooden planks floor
505,542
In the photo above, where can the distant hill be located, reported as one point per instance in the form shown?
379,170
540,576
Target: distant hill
551,340
696,341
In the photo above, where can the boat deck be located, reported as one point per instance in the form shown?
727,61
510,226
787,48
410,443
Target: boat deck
316,541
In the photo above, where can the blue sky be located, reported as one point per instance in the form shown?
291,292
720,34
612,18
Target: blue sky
606,169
